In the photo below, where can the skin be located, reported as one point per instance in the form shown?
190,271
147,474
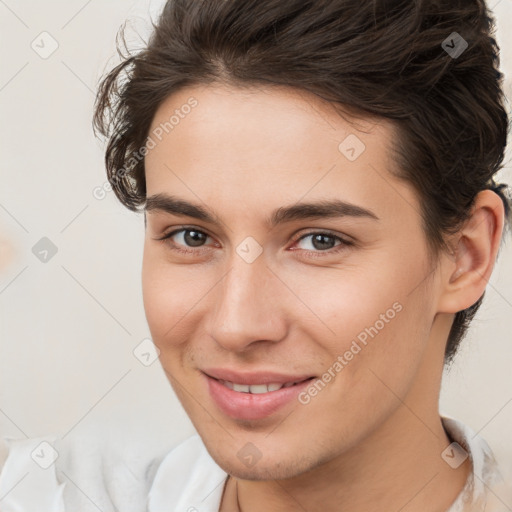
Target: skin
372,438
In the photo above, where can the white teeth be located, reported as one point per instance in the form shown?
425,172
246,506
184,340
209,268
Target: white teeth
255,389
241,387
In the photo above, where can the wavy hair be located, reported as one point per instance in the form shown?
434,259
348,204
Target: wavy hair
384,58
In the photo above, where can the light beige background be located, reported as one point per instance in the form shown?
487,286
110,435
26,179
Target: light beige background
68,327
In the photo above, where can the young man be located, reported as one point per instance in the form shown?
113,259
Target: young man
321,225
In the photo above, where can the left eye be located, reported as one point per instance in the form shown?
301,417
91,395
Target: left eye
321,241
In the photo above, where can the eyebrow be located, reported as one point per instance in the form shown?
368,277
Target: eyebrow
299,211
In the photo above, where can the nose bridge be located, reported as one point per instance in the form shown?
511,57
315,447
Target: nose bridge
247,308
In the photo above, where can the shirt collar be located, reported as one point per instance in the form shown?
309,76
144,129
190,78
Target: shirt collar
484,476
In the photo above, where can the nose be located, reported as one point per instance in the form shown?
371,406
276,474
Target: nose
250,306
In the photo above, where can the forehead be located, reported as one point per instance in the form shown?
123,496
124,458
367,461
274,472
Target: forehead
263,146
271,114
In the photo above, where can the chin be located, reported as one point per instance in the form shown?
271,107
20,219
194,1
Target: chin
265,469
263,472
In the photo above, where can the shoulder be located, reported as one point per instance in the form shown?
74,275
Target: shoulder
486,487
83,473
188,478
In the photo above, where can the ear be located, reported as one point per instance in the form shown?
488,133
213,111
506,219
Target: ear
467,270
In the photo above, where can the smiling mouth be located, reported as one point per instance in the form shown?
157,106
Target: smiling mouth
258,396
258,389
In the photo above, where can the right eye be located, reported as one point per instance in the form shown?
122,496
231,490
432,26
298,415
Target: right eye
185,237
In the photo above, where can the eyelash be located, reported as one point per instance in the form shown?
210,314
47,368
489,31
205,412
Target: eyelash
312,254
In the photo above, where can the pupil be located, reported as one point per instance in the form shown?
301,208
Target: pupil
194,238
318,240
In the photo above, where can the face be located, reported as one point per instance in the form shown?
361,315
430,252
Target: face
266,290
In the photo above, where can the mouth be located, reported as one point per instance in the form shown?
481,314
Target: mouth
254,401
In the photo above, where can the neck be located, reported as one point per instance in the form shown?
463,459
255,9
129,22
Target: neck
365,479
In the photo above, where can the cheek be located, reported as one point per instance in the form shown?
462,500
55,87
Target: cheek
350,303
167,297
371,361
375,318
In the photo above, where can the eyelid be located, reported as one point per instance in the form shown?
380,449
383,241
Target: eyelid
295,237
177,229
344,245
319,231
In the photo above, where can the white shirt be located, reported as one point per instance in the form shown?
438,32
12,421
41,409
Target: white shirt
186,479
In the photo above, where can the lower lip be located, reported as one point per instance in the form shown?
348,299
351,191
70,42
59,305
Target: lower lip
248,406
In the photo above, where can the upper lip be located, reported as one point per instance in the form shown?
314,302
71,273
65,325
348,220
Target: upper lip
254,377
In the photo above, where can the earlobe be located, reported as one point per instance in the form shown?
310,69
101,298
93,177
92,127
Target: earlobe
470,266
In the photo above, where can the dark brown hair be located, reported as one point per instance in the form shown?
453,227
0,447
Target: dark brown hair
398,60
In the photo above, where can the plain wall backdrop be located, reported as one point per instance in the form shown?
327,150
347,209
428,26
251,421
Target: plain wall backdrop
69,326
